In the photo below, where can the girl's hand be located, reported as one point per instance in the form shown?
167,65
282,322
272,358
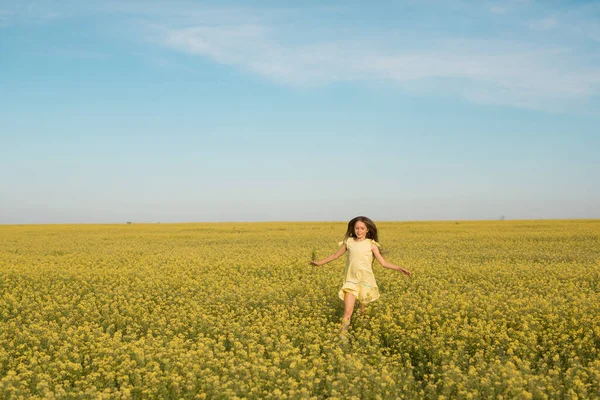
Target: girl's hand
406,272
314,263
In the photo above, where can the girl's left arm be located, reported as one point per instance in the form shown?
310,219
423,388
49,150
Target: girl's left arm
386,264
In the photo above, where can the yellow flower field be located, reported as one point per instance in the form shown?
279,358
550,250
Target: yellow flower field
495,309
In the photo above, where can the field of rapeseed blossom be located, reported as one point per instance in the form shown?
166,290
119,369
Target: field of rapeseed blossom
502,309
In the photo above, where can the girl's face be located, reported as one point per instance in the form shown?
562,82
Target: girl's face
360,230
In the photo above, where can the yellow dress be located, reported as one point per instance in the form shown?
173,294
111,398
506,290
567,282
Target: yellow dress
358,274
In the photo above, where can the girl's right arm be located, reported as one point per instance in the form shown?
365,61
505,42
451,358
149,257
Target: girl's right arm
332,257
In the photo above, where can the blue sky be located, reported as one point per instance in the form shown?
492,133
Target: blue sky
185,111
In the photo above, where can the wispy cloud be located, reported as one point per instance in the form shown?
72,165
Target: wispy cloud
495,71
256,48
535,56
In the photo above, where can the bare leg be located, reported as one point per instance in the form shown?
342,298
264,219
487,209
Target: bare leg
349,301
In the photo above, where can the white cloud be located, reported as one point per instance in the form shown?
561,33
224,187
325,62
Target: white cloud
523,69
497,71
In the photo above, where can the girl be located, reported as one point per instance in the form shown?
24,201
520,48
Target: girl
359,281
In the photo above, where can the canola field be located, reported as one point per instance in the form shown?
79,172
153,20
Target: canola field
495,309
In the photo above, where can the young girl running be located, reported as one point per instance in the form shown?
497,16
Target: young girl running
359,281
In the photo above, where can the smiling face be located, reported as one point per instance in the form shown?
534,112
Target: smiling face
360,230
